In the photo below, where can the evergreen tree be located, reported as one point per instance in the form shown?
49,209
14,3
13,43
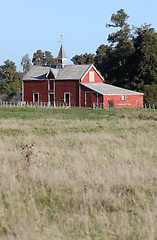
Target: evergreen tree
83,59
49,59
26,64
38,58
150,94
122,45
43,58
10,79
102,60
144,59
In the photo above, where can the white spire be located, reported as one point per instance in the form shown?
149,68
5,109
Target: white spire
62,58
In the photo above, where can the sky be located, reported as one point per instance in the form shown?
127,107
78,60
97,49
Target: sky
30,25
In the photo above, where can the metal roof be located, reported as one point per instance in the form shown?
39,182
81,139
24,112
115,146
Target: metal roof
72,72
40,72
69,72
106,89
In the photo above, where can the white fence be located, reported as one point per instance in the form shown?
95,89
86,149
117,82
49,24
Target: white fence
62,104
41,104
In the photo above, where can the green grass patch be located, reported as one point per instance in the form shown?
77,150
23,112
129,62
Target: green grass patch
74,113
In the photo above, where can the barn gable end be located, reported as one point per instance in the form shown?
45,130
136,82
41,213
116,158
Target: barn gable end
92,75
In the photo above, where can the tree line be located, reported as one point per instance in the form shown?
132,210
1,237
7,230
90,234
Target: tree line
10,78
129,60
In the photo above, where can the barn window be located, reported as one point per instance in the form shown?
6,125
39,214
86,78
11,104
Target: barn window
50,85
123,97
91,76
35,97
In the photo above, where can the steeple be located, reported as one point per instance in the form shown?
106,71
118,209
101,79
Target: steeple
62,58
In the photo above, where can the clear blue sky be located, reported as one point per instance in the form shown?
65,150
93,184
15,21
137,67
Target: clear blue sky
29,25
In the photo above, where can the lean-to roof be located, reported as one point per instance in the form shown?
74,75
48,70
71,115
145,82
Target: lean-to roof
106,89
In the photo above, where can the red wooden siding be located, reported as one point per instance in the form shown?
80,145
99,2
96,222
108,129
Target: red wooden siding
130,102
68,86
97,78
40,87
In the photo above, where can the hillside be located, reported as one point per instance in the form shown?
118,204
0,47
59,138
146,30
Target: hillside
78,174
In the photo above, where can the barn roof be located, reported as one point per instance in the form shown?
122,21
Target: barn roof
69,72
72,72
107,89
40,73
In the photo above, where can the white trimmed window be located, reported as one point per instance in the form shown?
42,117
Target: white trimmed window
123,97
67,98
35,97
91,77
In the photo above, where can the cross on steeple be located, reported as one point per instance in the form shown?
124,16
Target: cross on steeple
61,36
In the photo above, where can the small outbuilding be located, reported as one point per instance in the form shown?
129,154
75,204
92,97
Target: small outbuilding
75,85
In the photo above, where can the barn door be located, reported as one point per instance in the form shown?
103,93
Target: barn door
51,98
67,98
35,97
87,99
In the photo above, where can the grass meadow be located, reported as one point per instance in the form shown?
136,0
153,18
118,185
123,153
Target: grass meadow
78,174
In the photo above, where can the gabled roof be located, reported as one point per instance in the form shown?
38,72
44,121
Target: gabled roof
69,72
106,89
92,66
61,53
40,72
72,72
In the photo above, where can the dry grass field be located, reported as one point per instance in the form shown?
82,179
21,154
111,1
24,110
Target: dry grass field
78,174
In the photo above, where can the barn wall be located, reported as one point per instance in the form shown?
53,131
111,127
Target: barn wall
91,97
96,77
67,86
132,101
31,87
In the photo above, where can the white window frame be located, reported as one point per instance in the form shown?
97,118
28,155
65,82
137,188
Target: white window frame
34,97
91,76
49,96
65,97
123,97
50,85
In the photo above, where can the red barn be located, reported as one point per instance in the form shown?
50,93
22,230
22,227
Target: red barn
74,85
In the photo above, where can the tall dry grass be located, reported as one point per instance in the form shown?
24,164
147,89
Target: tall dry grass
71,179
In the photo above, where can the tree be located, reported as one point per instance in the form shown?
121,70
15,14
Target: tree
10,79
26,64
83,59
102,60
144,59
43,58
49,59
8,65
150,94
38,58
122,45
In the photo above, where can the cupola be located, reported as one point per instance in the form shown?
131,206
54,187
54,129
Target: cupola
62,58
